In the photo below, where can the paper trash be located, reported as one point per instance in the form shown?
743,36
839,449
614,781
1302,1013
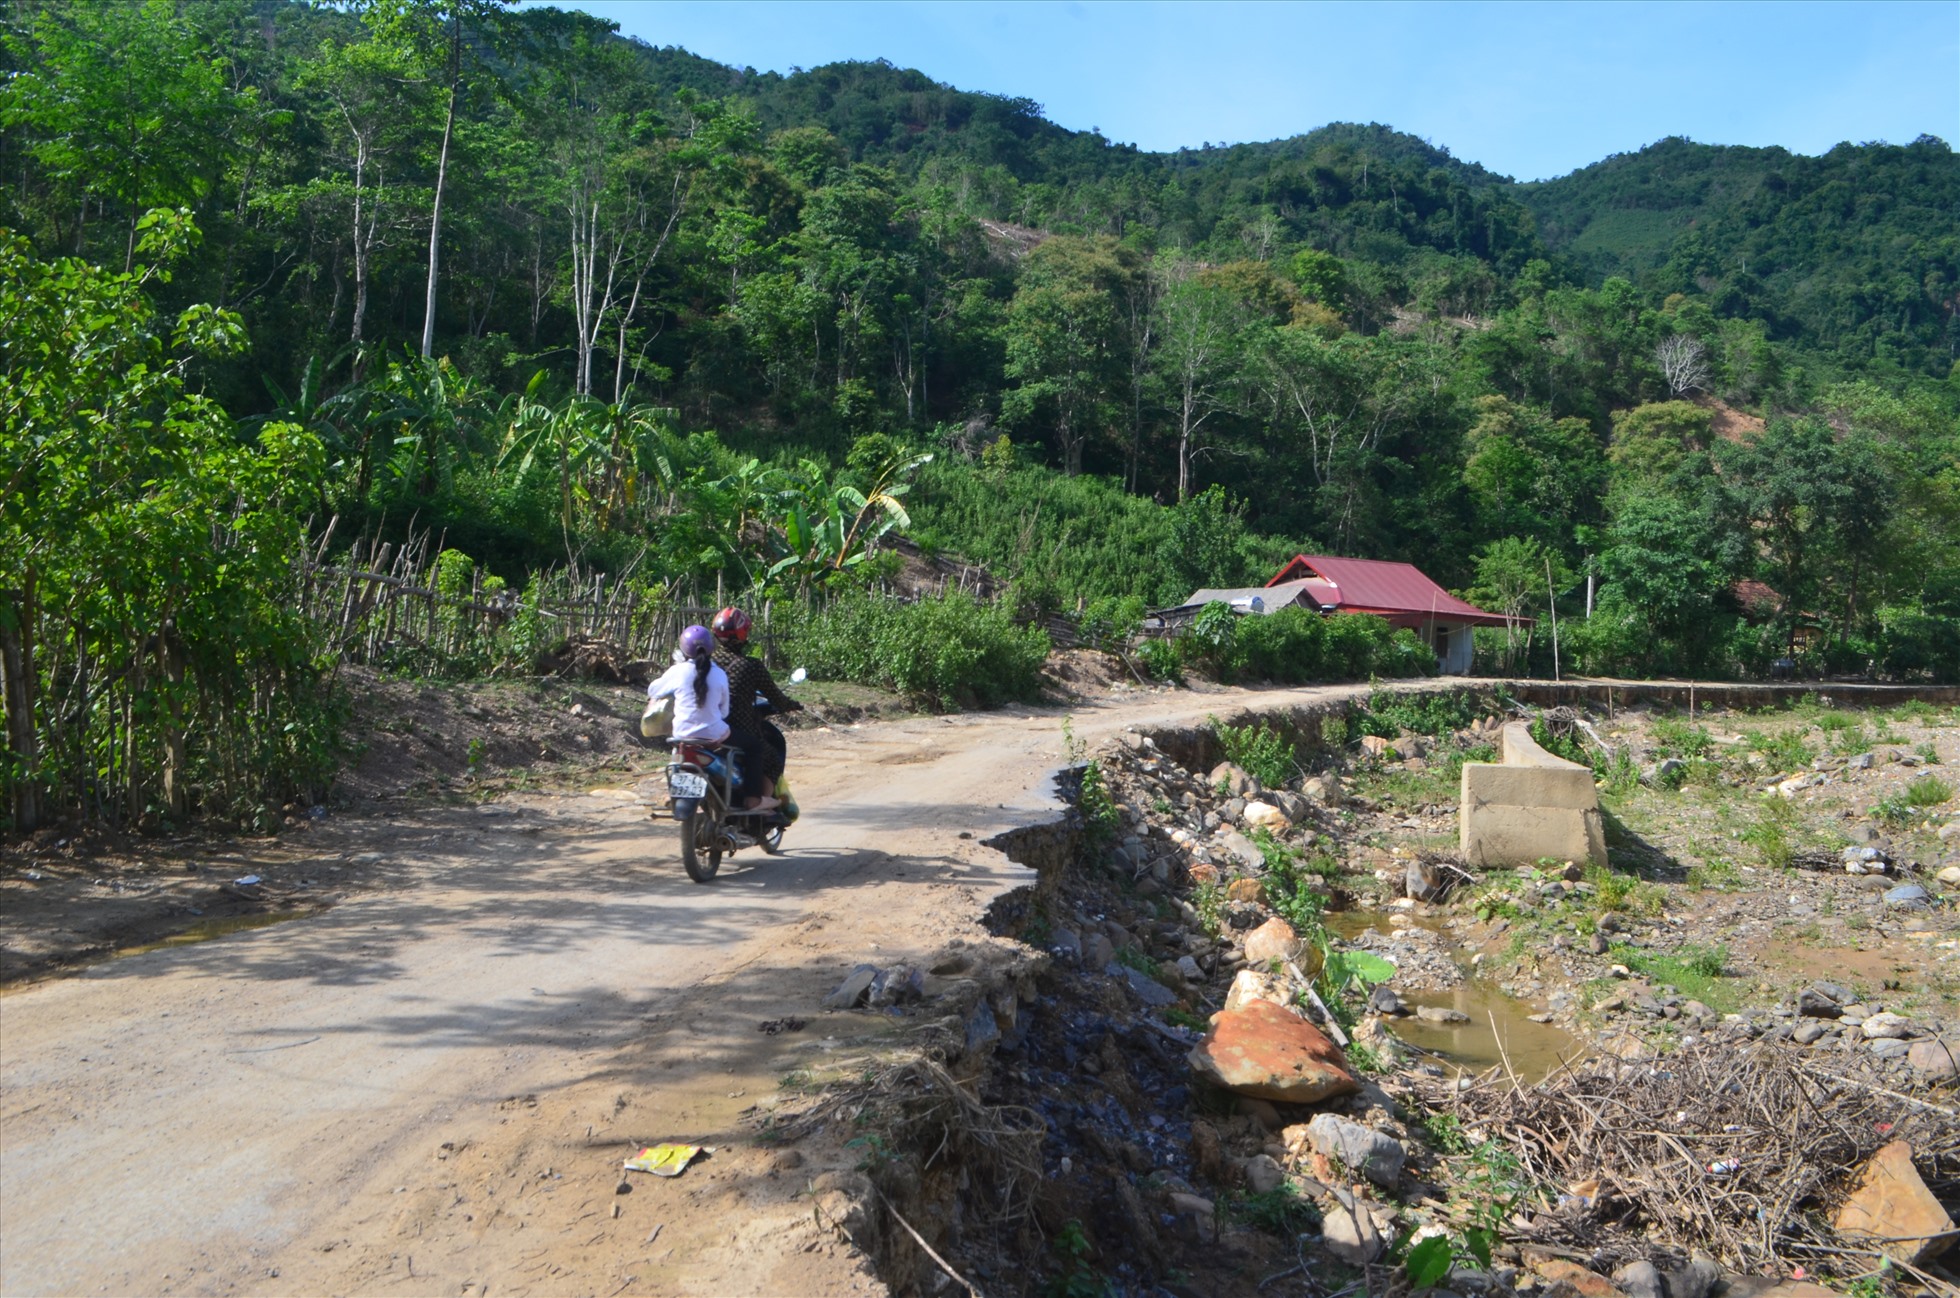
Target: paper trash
663,1160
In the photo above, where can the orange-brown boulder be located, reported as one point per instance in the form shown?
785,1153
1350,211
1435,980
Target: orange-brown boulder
1893,1207
1270,1053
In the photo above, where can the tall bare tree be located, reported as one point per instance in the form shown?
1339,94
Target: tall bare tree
1684,363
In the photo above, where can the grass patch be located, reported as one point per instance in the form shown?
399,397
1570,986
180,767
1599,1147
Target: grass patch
1776,821
1613,891
1696,972
1927,791
1785,750
1715,875
1675,737
1279,1212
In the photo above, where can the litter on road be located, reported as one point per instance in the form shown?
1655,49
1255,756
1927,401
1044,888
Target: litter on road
663,1160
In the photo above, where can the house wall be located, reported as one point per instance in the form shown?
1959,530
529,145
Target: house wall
1458,646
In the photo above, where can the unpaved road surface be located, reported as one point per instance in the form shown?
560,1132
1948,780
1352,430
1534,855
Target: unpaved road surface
429,1090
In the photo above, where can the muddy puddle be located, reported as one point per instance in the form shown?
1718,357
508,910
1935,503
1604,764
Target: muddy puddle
1498,1031
222,926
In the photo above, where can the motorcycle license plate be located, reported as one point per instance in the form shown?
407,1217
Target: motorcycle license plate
686,784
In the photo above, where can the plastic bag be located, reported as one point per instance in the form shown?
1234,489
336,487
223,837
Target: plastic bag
657,722
789,810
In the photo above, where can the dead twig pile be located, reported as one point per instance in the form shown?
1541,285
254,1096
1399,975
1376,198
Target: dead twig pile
1743,1152
919,1107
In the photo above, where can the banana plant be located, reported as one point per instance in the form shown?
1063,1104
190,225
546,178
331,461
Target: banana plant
833,526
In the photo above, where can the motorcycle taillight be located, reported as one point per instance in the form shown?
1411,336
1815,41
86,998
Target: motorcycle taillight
695,755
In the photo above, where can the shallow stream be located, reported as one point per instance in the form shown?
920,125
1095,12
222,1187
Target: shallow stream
1499,1033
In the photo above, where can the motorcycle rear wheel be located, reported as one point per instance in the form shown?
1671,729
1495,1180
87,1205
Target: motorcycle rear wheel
700,845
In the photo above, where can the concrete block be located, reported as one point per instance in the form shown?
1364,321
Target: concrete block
1531,806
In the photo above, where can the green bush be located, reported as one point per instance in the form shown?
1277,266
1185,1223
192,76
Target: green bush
1295,645
1928,791
1389,714
1161,661
1264,753
945,653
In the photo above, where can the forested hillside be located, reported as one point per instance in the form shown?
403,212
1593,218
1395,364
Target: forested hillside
1851,253
554,295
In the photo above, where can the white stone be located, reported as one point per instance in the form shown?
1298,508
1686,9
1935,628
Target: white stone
1886,1024
1264,815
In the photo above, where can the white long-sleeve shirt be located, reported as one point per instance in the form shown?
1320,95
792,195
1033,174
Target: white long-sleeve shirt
704,721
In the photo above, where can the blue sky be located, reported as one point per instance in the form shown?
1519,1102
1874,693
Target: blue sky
1529,90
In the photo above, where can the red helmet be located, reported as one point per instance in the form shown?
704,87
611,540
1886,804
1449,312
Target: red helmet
731,626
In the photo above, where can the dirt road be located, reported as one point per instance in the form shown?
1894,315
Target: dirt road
429,1091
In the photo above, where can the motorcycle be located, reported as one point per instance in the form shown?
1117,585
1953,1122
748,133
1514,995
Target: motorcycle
702,779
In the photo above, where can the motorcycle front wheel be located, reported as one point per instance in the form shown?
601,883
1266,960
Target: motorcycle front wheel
700,845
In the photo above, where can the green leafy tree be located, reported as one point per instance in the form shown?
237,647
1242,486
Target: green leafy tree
150,650
1064,340
1530,474
125,107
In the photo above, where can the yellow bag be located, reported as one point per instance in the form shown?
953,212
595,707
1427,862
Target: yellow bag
657,722
790,811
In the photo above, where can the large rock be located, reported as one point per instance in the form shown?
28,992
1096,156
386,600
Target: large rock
1238,783
1323,789
1241,849
1886,1024
1640,1279
1250,985
1441,1014
854,988
1815,1002
1247,890
1264,815
1893,1207
1273,1054
1351,1236
1374,1154
1937,1061
1273,940
1148,989
1376,746
1263,1174
1383,1000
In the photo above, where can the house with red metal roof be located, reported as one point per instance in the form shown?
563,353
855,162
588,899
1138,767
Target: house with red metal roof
1399,592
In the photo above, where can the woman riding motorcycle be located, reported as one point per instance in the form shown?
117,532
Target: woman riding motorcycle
701,692
747,678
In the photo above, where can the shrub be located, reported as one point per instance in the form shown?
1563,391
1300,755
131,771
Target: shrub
1389,714
946,652
1297,645
1266,755
1161,661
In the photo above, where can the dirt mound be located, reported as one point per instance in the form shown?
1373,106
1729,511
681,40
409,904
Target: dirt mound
1086,673
920,574
424,737
1729,424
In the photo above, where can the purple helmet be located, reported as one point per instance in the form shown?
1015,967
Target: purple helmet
697,641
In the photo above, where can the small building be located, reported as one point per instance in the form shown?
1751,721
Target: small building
1398,592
